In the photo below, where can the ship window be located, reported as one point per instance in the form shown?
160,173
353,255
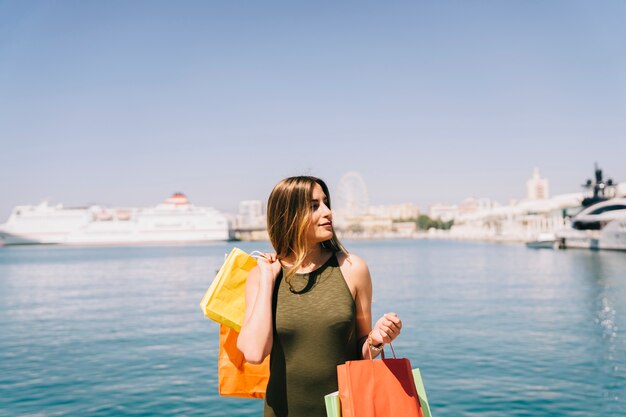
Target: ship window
609,208
578,225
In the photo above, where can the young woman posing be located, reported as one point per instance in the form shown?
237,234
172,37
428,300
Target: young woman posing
309,304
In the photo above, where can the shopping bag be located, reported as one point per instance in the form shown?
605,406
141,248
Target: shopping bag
236,377
225,301
378,388
333,405
421,392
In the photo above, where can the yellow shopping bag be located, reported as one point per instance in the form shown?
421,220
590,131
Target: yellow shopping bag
224,301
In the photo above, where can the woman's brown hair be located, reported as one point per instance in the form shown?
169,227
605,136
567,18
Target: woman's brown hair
288,218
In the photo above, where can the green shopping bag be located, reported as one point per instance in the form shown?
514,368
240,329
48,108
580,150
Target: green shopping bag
421,392
333,405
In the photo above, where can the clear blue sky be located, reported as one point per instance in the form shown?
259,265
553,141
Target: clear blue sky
123,103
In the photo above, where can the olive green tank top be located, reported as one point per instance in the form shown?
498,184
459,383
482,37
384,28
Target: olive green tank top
314,331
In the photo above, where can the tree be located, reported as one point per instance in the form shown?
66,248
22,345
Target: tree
424,223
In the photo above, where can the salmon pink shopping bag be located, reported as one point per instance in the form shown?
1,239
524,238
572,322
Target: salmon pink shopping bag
378,388
333,405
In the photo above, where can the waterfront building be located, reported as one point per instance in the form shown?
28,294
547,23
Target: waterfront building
443,212
405,229
365,226
519,221
471,205
250,221
396,211
251,214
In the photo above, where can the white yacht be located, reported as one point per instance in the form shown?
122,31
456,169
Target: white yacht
176,220
600,222
599,226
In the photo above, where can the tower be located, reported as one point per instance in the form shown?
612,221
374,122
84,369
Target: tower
537,187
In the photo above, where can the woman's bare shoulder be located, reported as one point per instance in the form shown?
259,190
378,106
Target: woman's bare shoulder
352,264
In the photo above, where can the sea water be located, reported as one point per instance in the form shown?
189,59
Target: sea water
497,330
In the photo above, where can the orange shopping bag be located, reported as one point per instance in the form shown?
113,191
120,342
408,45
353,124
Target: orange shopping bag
236,377
378,388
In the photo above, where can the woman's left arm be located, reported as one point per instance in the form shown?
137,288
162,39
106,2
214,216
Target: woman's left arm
387,328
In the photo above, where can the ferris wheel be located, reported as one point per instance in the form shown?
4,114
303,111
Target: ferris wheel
351,196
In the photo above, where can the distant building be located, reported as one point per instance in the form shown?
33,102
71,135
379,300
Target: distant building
405,228
537,187
471,205
516,222
443,212
251,214
396,211
366,225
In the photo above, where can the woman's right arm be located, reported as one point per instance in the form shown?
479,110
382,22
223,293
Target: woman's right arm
255,339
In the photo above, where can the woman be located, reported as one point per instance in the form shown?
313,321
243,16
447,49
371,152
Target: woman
309,304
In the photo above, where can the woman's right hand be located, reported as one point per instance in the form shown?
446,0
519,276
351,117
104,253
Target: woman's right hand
386,329
269,265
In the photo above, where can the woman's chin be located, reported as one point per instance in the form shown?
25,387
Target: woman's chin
323,237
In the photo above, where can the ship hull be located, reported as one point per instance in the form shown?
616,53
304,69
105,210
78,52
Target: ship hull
157,237
612,237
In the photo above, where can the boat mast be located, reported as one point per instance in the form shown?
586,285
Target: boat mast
599,187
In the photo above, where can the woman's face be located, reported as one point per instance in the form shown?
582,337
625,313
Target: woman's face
321,227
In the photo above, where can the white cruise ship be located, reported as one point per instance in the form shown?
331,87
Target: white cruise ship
174,221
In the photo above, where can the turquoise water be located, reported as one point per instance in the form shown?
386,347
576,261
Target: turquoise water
497,330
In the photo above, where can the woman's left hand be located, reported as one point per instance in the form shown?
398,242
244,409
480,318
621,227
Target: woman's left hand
386,329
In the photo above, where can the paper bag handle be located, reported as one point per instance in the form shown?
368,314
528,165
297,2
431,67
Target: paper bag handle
382,352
